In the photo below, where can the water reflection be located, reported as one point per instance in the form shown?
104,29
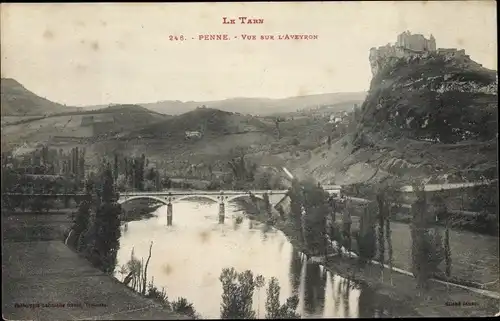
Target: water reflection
295,271
314,296
189,256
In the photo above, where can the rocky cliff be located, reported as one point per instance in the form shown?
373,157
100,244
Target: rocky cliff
431,116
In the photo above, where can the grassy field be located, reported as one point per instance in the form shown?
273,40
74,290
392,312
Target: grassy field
27,227
16,130
474,256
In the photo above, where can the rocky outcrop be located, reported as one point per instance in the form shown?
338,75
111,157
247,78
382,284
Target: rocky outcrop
429,115
437,96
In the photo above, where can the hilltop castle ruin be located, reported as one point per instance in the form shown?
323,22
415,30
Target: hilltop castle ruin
408,45
416,42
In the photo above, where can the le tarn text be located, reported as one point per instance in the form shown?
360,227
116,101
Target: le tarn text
242,20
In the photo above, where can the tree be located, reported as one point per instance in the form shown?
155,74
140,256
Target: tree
295,194
382,214
259,283
334,232
82,218
237,295
243,170
442,215
309,210
145,272
115,168
274,310
346,224
447,249
107,224
366,238
314,223
126,169
133,173
142,163
393,194
81,165
427,250
77,165
267,204
277,125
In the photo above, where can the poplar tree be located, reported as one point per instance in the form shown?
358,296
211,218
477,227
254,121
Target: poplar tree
107,223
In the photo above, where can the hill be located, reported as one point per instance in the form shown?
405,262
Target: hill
431,116
76,127
19,101
209,121
221,134
258,106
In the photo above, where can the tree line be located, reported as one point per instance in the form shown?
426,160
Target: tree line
42,171
313,220
48,161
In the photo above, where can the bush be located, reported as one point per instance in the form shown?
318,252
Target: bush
40,204
157,295
121,183
149,186
182,306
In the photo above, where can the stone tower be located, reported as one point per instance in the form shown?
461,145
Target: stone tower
432,43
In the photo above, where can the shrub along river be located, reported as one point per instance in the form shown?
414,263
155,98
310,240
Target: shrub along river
188,258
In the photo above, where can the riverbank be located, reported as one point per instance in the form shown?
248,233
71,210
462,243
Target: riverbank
43,279
474,256
439,300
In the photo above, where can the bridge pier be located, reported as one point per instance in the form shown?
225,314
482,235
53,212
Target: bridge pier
170,213
222,212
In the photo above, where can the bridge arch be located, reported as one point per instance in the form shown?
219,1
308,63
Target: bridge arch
232,198
185,197
128,199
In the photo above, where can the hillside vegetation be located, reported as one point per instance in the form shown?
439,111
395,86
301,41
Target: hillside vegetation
165,141
266,140
118,119
211,122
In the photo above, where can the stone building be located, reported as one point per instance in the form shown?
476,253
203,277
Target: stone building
193,134
416,42
409,46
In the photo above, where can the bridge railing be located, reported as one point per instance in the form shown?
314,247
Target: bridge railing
201,192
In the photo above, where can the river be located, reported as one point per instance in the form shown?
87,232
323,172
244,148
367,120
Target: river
188,257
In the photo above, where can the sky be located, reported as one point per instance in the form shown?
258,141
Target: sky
91,54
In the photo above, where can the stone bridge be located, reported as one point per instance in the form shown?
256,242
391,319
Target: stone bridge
222,197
